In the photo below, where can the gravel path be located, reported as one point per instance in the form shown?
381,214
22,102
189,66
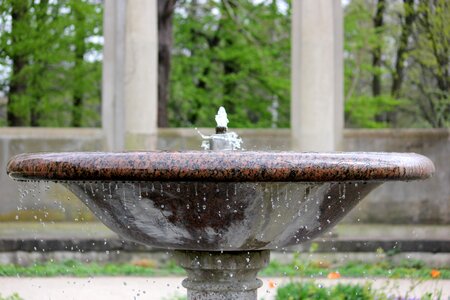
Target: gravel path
167,288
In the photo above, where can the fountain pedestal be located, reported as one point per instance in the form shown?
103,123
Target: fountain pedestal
227,275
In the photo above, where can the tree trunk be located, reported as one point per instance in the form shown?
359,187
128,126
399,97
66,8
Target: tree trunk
41,15
398,75
434,91
80,51
165,16
17,86
378,22
400,57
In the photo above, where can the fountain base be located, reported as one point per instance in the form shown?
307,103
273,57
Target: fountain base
226,275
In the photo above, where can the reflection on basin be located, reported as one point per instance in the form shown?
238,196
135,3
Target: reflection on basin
200,216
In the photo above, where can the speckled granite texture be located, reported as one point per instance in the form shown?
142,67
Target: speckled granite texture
220,166
235,166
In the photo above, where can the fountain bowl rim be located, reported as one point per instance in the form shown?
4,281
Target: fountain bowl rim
221,166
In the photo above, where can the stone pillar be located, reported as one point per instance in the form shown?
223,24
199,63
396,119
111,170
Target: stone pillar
141,74
317,117
130,68
228,275
113,73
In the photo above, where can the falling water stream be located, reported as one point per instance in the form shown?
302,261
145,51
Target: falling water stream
156,208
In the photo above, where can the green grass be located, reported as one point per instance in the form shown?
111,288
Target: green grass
80,269
311,290
407,269
314,291
14,296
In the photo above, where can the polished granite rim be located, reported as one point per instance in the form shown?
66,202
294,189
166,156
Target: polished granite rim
220,166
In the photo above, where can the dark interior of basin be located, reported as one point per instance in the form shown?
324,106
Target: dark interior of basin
220,216
220,201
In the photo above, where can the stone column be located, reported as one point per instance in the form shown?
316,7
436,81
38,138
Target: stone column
130,68
317,117
228,275
113,73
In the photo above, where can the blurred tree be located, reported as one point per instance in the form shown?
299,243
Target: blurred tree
364,68
401,54
49,50
231,53
406,22
85,19
18,59
166,9
378,25
431,58
409,45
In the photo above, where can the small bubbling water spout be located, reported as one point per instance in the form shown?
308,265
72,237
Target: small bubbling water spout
222,139
222,118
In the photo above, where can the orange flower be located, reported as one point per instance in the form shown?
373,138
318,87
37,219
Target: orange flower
272,284
334,275
435,273
145,263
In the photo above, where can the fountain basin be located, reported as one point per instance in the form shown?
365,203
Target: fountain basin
220,201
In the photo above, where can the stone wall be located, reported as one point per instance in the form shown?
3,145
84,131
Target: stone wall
426,202
50,204
417,202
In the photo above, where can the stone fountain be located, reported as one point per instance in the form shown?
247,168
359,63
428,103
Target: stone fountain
220,210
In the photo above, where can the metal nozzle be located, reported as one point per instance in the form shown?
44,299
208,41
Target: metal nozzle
221,130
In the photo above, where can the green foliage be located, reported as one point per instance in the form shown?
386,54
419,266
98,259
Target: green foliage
414,41
79,269
297,268
406,269
48,59
14,296
362,111
312,290
230,53
174,297
412,264
430,77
